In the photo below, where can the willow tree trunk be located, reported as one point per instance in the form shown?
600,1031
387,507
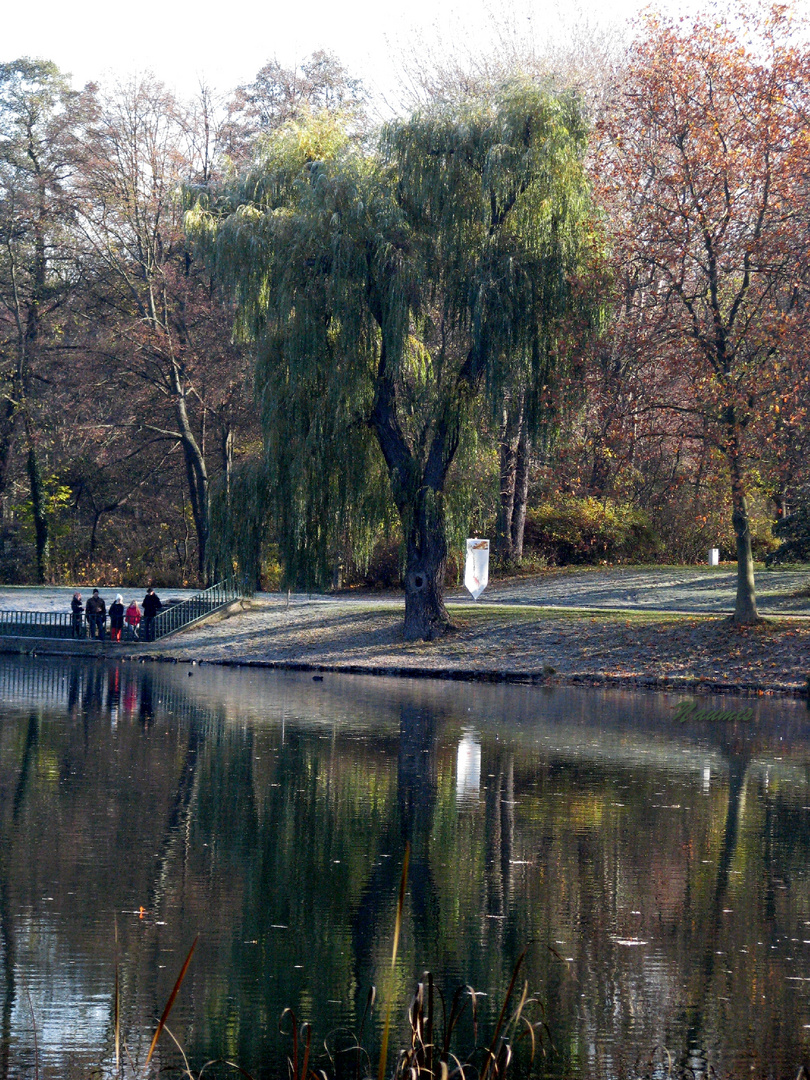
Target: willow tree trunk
745,609
418,490
426,616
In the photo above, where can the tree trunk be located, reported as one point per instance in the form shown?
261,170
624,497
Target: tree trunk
426,616
198,490
8,420
196,472
521,495
40,517
227,459
418,491
745,610
94,533
512,426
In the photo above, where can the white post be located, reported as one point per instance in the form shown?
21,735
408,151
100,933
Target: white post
714,556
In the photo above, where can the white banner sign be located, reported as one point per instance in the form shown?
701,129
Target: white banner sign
476,571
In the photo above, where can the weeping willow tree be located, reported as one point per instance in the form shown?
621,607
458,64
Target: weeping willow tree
392,294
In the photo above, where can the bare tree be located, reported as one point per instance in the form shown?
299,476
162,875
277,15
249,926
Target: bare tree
278,94
166,335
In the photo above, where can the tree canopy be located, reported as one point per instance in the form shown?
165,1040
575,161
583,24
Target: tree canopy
392,293
414,357
40,261
705,169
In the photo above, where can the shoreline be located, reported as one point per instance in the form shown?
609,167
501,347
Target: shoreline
694,654
522,678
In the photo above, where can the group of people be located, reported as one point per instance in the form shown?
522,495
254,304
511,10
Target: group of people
139,621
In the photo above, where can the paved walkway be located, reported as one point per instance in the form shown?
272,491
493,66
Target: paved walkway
654,589
649,588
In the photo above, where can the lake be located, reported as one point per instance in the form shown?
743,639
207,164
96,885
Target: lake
654,866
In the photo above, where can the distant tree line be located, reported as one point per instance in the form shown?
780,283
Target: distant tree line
564,308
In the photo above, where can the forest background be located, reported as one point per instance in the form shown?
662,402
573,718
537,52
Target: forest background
131,433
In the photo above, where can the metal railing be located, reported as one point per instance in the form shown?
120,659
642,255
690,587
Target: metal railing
39,624
173,617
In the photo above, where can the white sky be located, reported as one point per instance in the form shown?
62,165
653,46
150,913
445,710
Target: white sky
98,40
102,41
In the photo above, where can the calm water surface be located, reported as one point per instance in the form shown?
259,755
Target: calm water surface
656,871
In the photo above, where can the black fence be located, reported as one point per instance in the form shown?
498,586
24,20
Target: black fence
173,617
38,624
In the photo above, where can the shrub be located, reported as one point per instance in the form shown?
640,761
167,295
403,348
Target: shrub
688,527
793,533
574,529
384,568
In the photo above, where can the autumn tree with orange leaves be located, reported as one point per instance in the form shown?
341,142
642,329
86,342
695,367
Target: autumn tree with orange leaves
704,164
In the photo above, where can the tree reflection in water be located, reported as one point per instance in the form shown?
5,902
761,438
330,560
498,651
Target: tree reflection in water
658,871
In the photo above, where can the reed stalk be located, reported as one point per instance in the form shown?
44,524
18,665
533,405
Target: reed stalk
165,1016
117,1006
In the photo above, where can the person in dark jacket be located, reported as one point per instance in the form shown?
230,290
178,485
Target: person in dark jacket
116,614
151,606
95,611
77,613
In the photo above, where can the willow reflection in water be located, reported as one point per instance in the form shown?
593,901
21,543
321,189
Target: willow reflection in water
657,870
